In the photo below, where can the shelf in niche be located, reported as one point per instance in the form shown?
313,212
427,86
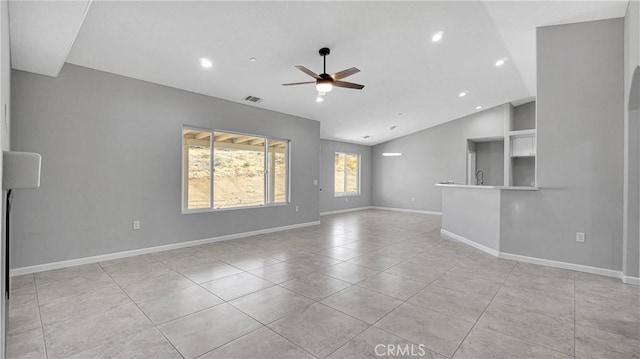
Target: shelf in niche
522,132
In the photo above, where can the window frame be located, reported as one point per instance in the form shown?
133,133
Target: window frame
345,193
211,208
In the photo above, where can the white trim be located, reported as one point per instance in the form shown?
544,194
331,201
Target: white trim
406,210
630,280
545,262
479,246
564,265
136,252
327,213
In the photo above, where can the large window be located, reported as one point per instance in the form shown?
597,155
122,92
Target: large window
229,170
346,174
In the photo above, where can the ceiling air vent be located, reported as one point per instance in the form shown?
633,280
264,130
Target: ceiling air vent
365,137
252,99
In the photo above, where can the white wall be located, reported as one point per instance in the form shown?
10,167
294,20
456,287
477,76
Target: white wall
111,154
328,201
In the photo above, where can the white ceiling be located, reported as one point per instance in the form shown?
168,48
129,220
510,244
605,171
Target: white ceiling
410,81
42,33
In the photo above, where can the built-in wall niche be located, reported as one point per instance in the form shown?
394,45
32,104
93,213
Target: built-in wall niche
521,146
523,171
485,161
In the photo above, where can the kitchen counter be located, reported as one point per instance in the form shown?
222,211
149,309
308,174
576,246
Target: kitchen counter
508,188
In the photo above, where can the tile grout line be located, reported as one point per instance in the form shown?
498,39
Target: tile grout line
423,288
140,309
35,287
484,310
575,328
290,341
402,301
230,341
518,338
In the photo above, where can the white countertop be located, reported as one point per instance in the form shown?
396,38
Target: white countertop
510,188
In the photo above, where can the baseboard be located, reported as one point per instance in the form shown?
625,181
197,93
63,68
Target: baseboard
462,239
344,210
544,262
563,265
406,210
137,252
630,280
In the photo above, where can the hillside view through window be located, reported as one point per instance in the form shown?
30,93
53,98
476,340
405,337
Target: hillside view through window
346,174
228,170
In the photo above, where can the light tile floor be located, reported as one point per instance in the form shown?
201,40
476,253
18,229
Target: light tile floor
358,285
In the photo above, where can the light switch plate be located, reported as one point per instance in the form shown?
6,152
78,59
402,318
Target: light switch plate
580,237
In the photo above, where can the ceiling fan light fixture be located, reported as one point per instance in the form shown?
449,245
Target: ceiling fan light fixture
324,86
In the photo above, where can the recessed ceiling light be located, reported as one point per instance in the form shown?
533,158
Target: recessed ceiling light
501,61
319,99
206,63
462,94
392,154
479,107
437,36
253,59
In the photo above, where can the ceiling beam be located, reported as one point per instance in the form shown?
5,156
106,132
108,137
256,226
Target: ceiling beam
224,136
202,135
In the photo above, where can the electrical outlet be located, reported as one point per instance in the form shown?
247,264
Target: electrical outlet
297,208
315,182
136,225
580,237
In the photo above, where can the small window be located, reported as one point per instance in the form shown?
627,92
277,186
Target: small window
229,170
346,174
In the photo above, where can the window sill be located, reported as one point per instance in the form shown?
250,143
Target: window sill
208,210
346,195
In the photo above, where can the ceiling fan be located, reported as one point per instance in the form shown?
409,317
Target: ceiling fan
325,82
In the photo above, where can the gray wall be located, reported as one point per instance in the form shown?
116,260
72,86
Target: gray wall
473,214
580,154
632,139
328,202
490,159
524,116
111,153
429,156
5,87
523,170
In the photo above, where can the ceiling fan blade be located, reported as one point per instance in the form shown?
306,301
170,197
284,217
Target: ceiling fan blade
348,85
308,72
344,73
299,83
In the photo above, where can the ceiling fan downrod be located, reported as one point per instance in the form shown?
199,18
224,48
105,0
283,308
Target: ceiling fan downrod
324,52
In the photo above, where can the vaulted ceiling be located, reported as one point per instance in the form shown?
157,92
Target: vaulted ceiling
410,81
